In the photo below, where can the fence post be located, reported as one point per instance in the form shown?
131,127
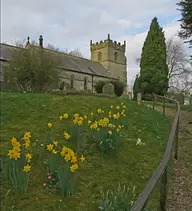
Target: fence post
163,191
177,140
164,106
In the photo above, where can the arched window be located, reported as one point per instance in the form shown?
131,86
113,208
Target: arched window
61,86
99,56
115,56
72,81
85,83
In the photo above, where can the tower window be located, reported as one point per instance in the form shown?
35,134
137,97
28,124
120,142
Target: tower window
99,56
115,56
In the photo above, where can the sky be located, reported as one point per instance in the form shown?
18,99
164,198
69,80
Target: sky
72,24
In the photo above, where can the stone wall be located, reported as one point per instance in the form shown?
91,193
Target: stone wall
65,76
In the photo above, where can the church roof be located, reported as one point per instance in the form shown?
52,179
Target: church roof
68,62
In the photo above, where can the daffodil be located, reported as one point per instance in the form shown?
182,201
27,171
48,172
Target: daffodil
82,158
10,154
111,106
55,143
16,155
80,122
65,116
61,117
67,157
110,132
50,147
27,168
74,159
66,135
13,141
76,115
117,107
54,151
28,156
91,113
74,167
49,125
99,111
85,117
89,122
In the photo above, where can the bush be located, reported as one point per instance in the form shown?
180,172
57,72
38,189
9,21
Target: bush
119,87
99,86
32,69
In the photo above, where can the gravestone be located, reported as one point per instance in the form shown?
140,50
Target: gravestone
108,88
139,97
190,99
180,98
129,95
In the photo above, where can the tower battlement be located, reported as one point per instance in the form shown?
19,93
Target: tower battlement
108,43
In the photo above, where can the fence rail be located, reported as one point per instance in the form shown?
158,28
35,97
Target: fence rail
160,172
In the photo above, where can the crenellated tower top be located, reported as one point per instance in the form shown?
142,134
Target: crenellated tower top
108,43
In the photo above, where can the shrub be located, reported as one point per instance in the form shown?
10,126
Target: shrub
32,69
119,86
99,86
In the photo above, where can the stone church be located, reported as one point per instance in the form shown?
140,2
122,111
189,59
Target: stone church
108,61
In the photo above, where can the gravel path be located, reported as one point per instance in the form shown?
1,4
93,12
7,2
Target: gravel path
180,191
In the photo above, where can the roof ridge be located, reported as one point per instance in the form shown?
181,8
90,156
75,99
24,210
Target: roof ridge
14,46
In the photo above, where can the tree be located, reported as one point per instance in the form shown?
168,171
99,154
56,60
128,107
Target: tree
179,66
183,82
32,69
75,52
153,67
136,86
185,7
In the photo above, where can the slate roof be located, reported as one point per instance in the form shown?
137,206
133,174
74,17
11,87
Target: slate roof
68,62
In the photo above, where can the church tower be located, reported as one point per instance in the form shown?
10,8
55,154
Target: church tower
112,56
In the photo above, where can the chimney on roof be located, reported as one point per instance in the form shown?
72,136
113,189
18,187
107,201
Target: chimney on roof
108,36
41,41
28,38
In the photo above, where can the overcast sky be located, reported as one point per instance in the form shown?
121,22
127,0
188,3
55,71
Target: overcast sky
70,24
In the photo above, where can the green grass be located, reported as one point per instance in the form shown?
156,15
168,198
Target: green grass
134,165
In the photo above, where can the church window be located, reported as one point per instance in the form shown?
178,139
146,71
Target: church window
85,83
115,56
99,56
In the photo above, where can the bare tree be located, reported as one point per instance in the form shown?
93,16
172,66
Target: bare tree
75,52
176,58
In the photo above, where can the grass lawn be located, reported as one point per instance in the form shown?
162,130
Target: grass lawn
133,165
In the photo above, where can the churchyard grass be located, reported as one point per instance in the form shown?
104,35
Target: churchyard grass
141,145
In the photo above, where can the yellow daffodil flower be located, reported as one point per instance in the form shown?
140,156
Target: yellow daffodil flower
50,147
61,118
74,167
28,156
27,168
49,125
65,116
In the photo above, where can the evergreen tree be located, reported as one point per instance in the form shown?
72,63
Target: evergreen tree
153,66
185,7
136,87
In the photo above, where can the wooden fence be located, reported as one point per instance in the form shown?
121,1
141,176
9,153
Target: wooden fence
161,172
